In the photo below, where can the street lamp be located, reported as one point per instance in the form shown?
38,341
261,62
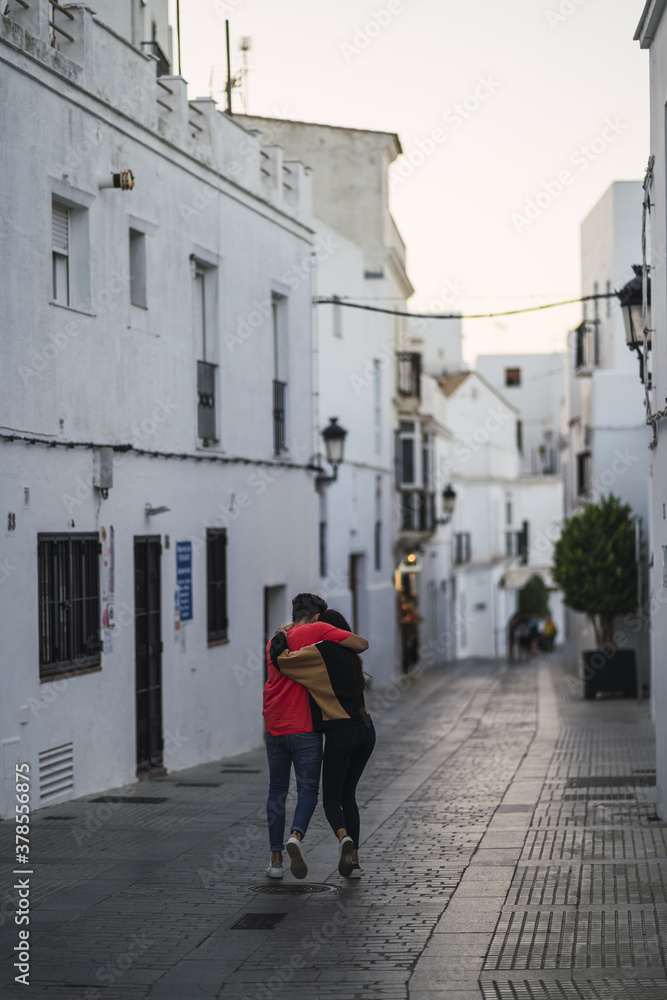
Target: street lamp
448,504
334,441
630,297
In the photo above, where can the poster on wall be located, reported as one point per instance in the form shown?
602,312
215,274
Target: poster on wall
184,579
108,588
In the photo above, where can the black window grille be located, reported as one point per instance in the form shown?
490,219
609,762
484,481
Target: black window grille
279,393
323,548
462,548
69,603
409,372
583,473
417,510
378,545
216,584
206,420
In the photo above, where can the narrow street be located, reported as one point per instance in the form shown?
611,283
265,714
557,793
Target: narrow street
509,850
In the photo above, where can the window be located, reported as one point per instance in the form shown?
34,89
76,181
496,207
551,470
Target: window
60,249
216,584
519,436
511,544
508,512
377,404
69,603
280,368
203,301
522,543
138,269
407,453
583,473
427,459
512,376
462,548
377,540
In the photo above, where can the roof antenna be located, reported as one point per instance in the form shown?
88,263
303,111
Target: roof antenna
229,72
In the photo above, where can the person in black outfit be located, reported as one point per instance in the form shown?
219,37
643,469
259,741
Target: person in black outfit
335,681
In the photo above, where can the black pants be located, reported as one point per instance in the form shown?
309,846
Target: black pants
346,753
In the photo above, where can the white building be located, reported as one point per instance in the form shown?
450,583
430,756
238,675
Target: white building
156,407
535,385
356,366
652,34
605,435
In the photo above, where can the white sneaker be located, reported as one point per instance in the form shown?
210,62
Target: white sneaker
275,871
345,863
356,871
298,865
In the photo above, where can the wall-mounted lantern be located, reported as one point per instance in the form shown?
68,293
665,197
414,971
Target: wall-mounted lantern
334,442
448,504
630,298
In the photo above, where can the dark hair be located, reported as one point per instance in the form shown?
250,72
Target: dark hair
333,617
307,605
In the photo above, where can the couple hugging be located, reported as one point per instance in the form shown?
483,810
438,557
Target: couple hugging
315,686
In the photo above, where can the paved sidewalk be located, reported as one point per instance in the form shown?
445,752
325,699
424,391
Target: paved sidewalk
509,844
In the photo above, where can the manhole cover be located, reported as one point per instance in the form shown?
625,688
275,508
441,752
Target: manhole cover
258,921
292,888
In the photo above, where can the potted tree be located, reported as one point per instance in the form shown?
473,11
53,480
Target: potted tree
594,564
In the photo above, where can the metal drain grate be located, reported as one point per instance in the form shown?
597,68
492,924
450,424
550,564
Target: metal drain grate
141,799
611,781
258,921
198,784
292,889
60,817
605,989
237,770
610,797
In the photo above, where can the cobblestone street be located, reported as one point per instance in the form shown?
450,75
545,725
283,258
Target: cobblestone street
509,844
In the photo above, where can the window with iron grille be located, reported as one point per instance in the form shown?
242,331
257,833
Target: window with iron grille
417,510
216,584
280,369
206,419
378,524
462,548
323,548
583,473
408,373
69,603
279,393
512,376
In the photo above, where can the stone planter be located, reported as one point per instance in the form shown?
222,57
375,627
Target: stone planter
615,673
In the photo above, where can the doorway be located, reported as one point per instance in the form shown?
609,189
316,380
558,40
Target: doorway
275,615
148,652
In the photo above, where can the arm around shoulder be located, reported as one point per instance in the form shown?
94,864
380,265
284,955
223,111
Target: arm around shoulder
355,642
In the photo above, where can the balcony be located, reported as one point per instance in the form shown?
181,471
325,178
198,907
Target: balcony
206,419
409,367
417,511
279,393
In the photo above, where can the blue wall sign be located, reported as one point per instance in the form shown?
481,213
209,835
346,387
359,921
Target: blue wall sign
184,578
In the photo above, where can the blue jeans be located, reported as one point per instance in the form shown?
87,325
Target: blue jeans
304,750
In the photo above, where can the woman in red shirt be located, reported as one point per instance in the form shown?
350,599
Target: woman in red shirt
290,739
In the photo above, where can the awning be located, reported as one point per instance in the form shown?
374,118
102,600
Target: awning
515,579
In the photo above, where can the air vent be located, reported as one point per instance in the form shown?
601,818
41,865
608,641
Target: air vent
56,771
139,799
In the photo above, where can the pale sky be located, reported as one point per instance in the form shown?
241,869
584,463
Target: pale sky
543,87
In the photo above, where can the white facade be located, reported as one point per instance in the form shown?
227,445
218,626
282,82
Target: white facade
652,35
209,258
604,433
355,367
535,385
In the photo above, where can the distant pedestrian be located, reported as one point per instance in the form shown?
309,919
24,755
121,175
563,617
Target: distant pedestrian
335,680
523,638
290,738
534,626
549,631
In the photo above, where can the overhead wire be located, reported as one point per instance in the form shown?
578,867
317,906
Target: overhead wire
415,315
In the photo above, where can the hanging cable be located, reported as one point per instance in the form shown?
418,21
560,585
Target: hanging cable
416,315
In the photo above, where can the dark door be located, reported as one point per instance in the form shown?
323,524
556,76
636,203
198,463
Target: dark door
148,651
